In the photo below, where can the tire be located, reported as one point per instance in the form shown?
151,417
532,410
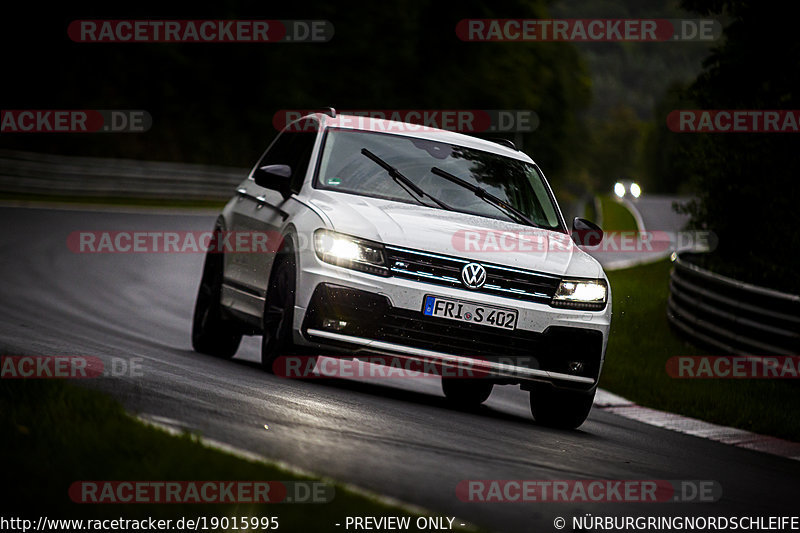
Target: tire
466,393
278,321
211,334
560,408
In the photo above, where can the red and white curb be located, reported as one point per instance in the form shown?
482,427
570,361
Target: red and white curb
611,403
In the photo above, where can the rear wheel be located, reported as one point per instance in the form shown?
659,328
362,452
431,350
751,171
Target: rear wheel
560,408
278,319
466,393
211,333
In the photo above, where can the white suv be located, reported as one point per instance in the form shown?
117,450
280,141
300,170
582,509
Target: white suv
415,244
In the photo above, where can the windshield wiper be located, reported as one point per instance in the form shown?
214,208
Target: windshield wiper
487,197
404,182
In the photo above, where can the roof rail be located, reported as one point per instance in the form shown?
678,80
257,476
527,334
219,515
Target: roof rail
505,142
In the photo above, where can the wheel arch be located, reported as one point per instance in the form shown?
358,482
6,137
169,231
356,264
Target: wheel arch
287,246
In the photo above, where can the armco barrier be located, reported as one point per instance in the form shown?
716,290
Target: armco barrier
57,175
732,316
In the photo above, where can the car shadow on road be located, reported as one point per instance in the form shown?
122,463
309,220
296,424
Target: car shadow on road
386,390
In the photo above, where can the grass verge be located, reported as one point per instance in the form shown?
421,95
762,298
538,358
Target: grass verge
616,217
640,343
55,433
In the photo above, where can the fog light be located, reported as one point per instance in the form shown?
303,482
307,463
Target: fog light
330,323
575,367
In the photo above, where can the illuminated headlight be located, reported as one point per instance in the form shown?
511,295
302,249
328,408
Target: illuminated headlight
349,252
636,191
589,294
619,189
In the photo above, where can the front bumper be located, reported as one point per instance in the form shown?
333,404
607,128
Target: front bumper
566,351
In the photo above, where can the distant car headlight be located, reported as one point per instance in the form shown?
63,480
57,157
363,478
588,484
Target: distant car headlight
590,294
619,189
636,191
350,252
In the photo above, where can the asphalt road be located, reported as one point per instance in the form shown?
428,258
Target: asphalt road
664,233
400,438
657,213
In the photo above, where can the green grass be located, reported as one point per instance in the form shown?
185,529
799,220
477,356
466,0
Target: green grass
616,217
54,433
640,343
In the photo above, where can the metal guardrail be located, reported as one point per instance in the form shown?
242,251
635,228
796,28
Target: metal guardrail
735,317
57,175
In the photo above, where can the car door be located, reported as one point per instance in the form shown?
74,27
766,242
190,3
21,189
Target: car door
264,211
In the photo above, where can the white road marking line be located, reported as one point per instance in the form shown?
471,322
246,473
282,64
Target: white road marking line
176,427
620,406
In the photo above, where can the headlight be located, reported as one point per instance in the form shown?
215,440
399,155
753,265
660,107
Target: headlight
350,252
636,191
588,294
619,189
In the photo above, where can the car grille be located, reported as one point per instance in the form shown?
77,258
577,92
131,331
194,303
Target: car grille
549,351
410,329
500,281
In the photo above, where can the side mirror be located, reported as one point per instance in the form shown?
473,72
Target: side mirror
275,177
586,233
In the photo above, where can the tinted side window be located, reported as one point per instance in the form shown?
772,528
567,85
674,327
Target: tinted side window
300,151
293,147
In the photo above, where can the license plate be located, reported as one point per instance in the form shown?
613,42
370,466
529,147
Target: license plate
474,313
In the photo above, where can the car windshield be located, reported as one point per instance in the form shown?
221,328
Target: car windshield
345,169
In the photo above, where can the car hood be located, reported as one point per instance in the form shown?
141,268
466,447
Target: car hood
471,237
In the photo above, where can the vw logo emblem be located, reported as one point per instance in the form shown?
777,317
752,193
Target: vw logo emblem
473,276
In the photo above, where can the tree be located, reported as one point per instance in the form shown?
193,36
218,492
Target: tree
614,149
666,153
214,103
748,181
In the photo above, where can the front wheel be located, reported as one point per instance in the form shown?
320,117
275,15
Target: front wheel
560,408
279,311
466,393
211,334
